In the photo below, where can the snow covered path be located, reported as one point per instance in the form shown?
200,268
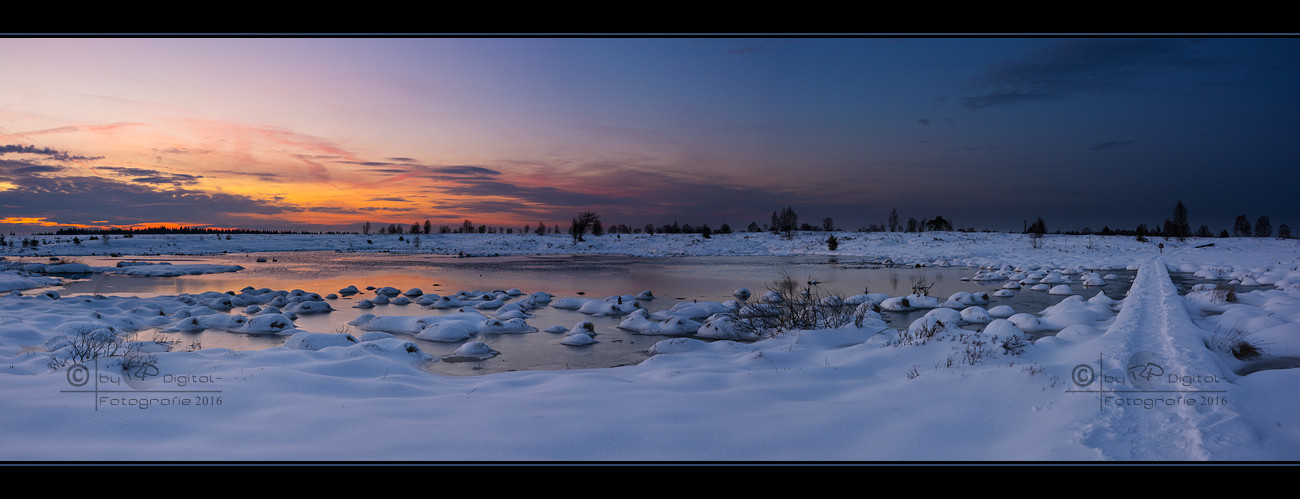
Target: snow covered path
1157,412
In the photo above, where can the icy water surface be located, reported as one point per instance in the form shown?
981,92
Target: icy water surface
670,279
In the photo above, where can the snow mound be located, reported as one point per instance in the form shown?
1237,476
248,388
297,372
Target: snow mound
315,341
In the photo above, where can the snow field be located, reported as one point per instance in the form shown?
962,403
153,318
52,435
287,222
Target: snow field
854,393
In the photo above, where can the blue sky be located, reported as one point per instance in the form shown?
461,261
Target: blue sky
323,134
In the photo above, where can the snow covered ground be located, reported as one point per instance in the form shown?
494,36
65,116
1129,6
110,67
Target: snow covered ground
1173,388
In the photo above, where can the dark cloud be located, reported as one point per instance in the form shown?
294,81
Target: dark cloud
18,167
262,176
548,196
167,179
1101,146
53,154
70,198
923,121
1078,67
147,176
367,163
463,170
335,210
403,160
397,200
439,172
128,171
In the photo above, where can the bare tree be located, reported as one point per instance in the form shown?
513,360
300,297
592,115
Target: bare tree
1241,228
787,221
1263,228
893,220
1036,232
1178,225
580,225
828,224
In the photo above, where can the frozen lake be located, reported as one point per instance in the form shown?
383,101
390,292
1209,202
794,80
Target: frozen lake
672,280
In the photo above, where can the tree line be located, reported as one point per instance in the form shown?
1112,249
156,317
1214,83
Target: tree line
786,221
166,230
1178,226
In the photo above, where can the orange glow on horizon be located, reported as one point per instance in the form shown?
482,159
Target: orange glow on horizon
43,222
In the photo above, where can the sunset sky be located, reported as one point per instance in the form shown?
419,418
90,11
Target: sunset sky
325,134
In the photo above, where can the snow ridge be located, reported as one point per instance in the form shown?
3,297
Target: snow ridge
1153,327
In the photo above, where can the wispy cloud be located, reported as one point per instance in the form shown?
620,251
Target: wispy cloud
68,129
463,170
1079,67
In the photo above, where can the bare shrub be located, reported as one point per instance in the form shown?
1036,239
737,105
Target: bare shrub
920,335
102,342
1014,345
802,308
1233,341
920,289
1225,293
86,343
975,352
138,363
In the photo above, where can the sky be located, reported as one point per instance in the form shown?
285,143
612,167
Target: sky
324,134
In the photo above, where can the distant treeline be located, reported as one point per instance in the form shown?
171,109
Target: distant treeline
165,230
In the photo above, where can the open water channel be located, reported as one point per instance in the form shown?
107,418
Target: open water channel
671,280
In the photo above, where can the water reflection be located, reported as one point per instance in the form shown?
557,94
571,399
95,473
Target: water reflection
671,279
